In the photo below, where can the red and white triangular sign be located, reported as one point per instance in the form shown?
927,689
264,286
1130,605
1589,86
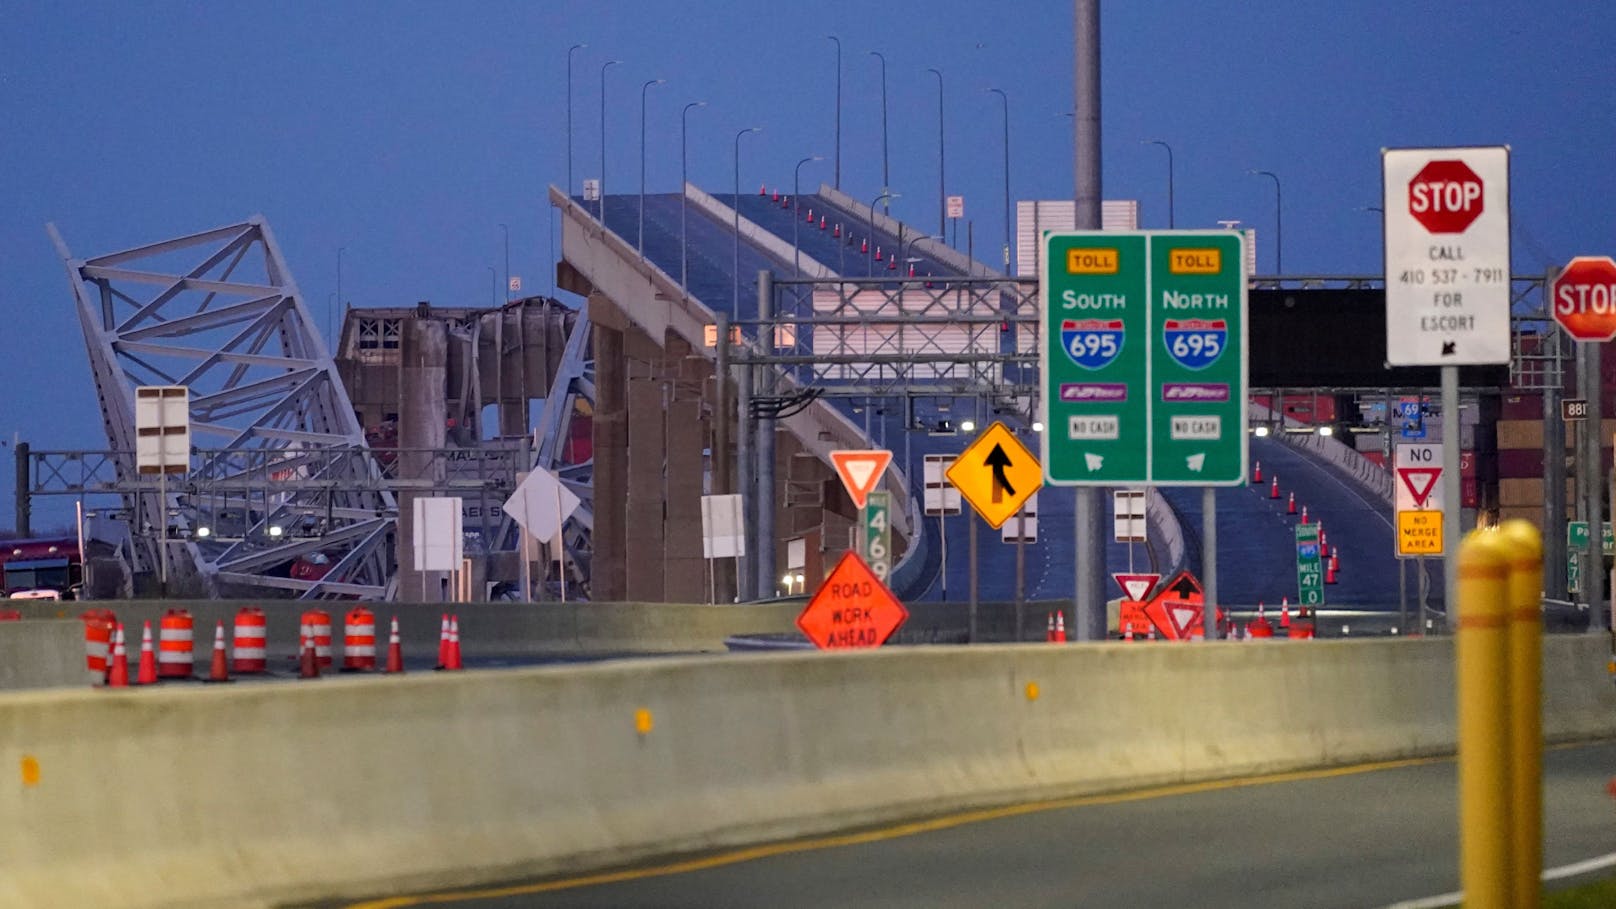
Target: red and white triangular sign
1420,481
860,471
1137,586
1184,617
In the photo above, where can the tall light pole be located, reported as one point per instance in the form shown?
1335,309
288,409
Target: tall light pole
886,176
870,254
493,294
601,210
1007,224
1169,148
1279,229
647,85
942,183
838,175
684,178
569,115
736,229
507,232
796,193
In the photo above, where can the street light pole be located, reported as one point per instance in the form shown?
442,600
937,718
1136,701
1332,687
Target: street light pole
507,232
942,183
493,294
735,303
331,317
647,85
870,254
886,177
796,193
838,176
1006,99
601,209
569,115
1279,229
684,179
1170,224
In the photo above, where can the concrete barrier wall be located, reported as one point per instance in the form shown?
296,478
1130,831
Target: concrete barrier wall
252,794
486,629
42,654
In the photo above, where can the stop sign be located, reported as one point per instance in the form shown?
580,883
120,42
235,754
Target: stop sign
1584,298
1445,196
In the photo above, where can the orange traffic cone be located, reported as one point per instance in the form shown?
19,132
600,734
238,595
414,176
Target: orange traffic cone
1060,627
892,264
454,644
774,196
1127,634
147,674
1256,478
1285,612
810,218
822,222
118,669
1273,490
1290,507
1335,558
220,670
1049,632
308,665
395,650
878,254
762,191
443,643
1329,574
837,230
1304,514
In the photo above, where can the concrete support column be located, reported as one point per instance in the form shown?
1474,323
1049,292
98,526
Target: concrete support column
611,461
423,372
647,453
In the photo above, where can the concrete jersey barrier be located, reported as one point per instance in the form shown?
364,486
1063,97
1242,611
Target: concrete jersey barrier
43,653
256,794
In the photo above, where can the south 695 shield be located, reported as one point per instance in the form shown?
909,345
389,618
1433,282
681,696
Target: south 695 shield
1195,343
1092,343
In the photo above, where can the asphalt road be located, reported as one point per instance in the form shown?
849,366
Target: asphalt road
1357,838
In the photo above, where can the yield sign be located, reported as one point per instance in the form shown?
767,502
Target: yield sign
1420,481
860,471
1137,586
1186,618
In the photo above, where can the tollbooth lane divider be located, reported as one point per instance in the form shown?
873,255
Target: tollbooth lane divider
107,657
1500,680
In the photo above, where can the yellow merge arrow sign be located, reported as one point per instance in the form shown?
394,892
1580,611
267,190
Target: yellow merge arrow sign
996,474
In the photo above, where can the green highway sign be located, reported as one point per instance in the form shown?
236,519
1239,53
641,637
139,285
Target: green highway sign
1309,566
1144,358
1577,546
878,533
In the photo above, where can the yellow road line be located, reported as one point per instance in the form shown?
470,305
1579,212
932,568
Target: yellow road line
912,828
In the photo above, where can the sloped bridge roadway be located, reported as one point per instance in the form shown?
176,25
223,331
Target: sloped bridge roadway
1347,838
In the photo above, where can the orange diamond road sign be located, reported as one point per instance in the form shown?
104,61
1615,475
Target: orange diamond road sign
852,608
860,471
996,474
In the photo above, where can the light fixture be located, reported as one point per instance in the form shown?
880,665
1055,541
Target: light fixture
786,580
967,426
1260,432
203,532
1037,425
799,580
275,531
1326,431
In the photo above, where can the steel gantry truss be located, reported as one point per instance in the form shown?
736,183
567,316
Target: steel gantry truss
219,313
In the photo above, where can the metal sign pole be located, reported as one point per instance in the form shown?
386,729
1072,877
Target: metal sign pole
1021,567
970,633
1209,561
1450,493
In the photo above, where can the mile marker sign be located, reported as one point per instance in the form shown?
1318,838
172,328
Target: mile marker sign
1447,255
1584,296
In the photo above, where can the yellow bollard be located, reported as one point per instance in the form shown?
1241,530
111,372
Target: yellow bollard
1525,636
1483,676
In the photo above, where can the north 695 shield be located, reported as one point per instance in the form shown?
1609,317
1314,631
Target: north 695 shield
1092,343
1195,343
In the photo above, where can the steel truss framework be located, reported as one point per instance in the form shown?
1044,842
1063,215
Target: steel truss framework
219,313
883,337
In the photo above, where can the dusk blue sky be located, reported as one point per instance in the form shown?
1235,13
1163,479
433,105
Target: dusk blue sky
406,132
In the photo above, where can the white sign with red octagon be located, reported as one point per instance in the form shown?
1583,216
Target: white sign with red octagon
1447,255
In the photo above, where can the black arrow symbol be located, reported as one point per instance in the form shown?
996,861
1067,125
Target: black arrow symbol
998,460
1184,587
